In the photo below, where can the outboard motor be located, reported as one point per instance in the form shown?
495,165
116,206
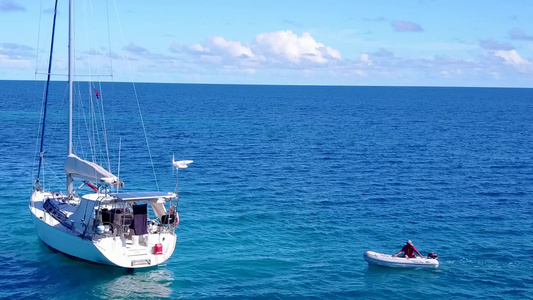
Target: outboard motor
433,255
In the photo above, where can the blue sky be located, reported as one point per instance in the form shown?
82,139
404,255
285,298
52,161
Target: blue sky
398,43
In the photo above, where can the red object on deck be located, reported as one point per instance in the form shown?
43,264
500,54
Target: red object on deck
158,249
91,186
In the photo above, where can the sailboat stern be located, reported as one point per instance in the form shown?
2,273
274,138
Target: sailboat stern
126,236
139,251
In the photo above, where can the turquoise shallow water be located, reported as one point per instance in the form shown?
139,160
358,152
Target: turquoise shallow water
290,186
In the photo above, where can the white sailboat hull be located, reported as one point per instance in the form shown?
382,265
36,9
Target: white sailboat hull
67,243
108,250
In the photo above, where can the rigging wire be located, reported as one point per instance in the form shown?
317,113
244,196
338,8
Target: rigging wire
118,167
109,38
95,128
99,106
39,125
95,106
38,40
94,156
77,75
136,97
47,86
47,165
81,111
104,129
56,129
37,140
100,99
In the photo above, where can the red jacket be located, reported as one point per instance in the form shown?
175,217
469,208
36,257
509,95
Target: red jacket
409,251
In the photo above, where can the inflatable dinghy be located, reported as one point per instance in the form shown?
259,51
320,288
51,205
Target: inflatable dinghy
387,260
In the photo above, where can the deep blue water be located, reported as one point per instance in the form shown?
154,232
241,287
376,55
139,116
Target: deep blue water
289,187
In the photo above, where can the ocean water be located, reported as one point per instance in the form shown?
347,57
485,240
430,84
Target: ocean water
290,185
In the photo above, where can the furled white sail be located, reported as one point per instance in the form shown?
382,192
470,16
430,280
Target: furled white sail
85,170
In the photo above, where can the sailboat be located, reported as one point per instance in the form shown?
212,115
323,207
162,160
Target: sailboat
101,225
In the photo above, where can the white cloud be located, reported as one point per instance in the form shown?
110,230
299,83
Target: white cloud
273,48
135,49
512,57
233,48
283,54
211,59
289,47
14,63
219,47
235,70
518,34
365,58
406,26
308,73
451,73
491,44
10,5
198,48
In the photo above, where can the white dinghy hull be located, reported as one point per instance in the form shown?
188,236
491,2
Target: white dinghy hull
387,260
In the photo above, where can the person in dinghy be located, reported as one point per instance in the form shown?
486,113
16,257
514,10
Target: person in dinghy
408,251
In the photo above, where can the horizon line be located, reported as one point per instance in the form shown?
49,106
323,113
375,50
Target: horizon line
294,85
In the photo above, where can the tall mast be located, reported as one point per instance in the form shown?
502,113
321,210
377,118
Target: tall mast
70,84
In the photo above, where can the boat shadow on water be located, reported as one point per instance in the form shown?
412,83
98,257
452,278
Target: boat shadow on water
107,281
388,270
383,275
145,283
